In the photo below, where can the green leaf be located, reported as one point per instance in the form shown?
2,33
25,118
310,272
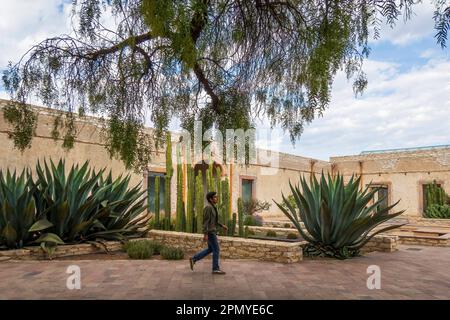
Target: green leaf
41,225
10,235
50,238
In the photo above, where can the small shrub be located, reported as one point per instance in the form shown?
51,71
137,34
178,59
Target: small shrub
271,233
292,235
248,220
289,200
254,205
172,253
253,220
156,246
153,225
141,249
287,225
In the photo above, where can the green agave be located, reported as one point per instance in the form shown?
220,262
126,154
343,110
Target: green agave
127,213
17,209
338,218
75,207
82,205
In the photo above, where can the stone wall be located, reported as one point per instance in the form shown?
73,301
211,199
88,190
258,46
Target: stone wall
432,222
278,224
403,172
36,252
380,242
425,241
262,231
233,248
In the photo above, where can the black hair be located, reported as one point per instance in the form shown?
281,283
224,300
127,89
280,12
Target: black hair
210,195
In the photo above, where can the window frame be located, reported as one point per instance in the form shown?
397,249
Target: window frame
155,173
253,184
421,185
383,184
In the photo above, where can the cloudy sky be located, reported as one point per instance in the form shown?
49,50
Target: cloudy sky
406,104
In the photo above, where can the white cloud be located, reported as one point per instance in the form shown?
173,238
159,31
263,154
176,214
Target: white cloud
397,110
27,22
420,25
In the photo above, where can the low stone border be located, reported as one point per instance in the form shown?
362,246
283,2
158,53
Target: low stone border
36,252
425,241
278,224
232,247
380,242
433,222
262,231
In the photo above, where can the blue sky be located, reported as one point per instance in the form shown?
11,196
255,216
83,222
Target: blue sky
406,104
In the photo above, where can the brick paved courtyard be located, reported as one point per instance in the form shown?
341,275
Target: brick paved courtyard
411,273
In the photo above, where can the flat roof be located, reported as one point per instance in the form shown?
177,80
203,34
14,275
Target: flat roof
444,146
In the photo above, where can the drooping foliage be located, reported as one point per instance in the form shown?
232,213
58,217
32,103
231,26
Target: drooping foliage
221,61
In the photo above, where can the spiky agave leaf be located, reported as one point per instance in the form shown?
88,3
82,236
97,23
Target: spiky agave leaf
17,208
338,218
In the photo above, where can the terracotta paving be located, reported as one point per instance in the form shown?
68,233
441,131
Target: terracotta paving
411,273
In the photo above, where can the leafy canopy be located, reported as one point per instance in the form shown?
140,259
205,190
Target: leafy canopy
225,62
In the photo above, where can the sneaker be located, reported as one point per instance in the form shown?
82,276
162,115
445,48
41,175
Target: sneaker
218,272
191,263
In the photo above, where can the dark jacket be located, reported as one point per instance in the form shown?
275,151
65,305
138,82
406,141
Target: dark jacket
210,219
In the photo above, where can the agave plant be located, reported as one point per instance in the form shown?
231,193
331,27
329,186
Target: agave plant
67,200
17,209
339,219
88,206
81,205
75,207
126,209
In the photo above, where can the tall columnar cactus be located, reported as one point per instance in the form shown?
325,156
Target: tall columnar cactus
157,219
167,181
225,202
435,195
199,201
218,185
241,217
190,196
183,217
232,226
210,179
179,214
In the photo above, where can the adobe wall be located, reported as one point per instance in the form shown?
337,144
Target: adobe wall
404,173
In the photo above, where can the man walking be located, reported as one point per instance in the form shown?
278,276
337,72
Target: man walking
210,226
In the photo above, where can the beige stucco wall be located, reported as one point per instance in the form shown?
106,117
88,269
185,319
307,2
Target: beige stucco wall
88,146
403,172
270,184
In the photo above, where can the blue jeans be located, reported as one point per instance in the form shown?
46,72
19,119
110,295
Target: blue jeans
213,246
